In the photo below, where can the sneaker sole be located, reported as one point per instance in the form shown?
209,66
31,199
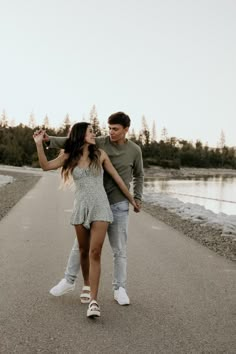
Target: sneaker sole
122,304
126,304
63,293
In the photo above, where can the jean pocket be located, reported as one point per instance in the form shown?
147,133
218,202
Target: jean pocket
120,207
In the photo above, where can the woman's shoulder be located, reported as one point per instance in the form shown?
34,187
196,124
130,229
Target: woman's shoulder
103,155
102,152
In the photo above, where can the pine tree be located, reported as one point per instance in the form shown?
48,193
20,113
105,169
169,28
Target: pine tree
164,134
104,130
46,122
145,132
32,121
222,139
154,134
4,120
94,121
132,135
66,124
67,121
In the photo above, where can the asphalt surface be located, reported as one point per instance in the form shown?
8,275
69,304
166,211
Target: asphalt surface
182,294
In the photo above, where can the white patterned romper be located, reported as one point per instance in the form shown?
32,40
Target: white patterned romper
91,202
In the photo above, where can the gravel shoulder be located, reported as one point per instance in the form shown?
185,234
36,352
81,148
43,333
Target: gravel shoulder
206,235
11,193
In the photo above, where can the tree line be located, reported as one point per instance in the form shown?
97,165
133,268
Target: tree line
17,147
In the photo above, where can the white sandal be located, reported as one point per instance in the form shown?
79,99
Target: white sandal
85,296
93,309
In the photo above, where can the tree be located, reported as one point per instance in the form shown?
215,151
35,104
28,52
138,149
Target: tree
46,122
32,121
4,120
222,139
94,121
64,130
132,135
164,134
154,134
67,121
104,130
145,133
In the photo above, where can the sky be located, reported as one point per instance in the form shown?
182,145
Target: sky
173,61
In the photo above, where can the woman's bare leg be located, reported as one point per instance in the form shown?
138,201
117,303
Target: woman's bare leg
83,236
97,236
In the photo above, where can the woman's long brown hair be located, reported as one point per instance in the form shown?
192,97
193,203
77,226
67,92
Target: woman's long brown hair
74,147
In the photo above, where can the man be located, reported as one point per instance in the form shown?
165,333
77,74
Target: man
126,157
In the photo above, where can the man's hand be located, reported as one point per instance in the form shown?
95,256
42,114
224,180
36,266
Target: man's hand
38,137
138,205
41,131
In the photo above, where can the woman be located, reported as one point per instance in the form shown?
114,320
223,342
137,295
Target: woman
91,213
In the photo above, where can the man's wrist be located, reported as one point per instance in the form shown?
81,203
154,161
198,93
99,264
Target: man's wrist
138,202
47,143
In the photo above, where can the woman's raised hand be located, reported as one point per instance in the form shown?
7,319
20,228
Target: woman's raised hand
38,136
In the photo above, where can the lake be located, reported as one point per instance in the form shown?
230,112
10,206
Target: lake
215,193
5,180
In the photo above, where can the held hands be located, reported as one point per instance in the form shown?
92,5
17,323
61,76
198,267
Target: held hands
39,132
136,204
38,136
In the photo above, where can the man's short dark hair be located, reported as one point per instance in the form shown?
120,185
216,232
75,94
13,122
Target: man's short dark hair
119,118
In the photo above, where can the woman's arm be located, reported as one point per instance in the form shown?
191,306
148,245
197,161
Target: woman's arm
44,163
106,162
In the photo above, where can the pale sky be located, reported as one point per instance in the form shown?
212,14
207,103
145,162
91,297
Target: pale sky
173,61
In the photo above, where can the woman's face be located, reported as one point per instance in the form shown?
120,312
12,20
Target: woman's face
89,136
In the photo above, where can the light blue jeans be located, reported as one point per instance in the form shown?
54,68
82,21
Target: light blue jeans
117,234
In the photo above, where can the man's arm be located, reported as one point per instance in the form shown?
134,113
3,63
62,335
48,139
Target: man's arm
55,142
58,142
107,165
138,177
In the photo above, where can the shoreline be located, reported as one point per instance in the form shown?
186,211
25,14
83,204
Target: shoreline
206,235
187,172
209,236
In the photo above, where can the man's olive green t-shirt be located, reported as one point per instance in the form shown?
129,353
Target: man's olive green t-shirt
127,160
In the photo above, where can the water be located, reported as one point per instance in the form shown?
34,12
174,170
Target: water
215,193
5,180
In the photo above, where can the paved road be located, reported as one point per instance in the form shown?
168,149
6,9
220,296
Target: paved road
183,295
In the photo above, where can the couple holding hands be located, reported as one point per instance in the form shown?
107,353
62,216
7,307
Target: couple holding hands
102,169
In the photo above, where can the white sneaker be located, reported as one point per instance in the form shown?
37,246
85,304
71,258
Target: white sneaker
121,296
62,288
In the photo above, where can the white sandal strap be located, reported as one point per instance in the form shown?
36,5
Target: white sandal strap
94,308
86,288
85,296
93,302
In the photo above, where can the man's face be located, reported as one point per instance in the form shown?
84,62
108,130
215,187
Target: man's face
117,132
